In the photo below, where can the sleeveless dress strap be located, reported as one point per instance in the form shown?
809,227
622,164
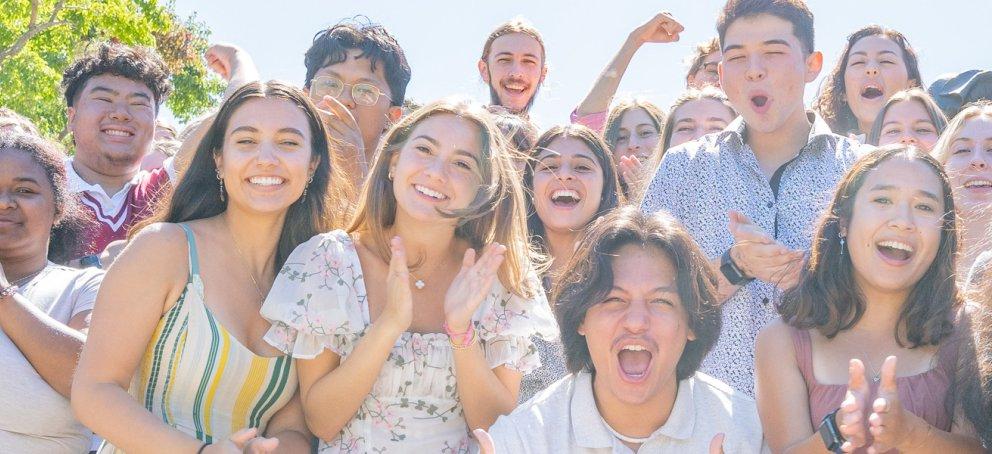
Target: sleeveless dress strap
194,264
803,345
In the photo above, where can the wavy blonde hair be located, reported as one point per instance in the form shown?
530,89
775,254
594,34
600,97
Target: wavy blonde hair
941,149
497,212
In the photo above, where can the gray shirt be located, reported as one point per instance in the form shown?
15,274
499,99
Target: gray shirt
564,418
701,181
34,417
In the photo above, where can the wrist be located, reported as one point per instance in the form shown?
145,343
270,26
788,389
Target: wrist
734,273
389,326
456,326
918,434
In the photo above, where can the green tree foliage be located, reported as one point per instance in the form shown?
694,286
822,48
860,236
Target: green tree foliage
39,38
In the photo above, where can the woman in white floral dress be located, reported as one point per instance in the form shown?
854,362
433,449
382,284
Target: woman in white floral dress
404,339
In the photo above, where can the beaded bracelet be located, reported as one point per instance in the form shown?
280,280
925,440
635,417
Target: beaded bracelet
8,291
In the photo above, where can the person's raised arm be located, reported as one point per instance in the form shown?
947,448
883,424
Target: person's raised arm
332,391
662,28
51,347
486,393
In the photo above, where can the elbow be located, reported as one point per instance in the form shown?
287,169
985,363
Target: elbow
79,401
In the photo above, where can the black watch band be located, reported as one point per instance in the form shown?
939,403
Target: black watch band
731,271
830,433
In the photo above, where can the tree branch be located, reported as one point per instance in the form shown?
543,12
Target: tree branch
34,28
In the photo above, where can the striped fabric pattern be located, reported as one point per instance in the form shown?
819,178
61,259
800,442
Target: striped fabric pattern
198,378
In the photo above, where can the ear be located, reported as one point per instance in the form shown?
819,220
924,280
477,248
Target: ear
691,335
719,71
915,83
483,70
581,329
814,64
70,114
219,162
394,113
544,74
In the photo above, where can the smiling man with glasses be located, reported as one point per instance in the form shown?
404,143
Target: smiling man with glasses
359,74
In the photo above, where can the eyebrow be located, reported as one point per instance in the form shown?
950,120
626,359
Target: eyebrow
662,289
528,54
245,129
865,54
26,179
290,131
102,89
889,187
338,75
558,155
764,43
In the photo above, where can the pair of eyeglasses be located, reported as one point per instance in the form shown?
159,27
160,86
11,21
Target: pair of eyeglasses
363,93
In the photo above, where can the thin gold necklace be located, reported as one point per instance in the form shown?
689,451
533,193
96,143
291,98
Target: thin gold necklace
244,262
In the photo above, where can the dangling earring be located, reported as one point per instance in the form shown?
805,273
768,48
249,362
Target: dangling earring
221,180
842,243
305,188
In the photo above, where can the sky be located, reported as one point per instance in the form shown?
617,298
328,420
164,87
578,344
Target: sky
443,39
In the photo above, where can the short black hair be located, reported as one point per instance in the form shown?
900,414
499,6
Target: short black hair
794,11
588,278
331,47
138,63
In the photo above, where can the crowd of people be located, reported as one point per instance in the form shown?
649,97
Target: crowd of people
333,268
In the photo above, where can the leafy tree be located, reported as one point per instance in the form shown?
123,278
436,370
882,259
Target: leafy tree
39,38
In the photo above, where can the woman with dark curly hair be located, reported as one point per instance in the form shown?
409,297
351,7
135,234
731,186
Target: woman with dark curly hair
875,63
879,284
638,311
44,307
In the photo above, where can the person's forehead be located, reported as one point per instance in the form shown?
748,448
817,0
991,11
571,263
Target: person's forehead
751,31
875,44
122,85
355,68
701,109
905,175
908,109
713,57
643,268
451,130
979,128
517,44
269,114
18,163
635,116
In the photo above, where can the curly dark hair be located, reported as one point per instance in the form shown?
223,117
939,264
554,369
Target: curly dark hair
71,220
832,105
825,298
138,63
589,278
331,47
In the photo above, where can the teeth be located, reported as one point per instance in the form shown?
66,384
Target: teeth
117,132
565,193
429,192
978,184
634,348
514,86
896,245
266,181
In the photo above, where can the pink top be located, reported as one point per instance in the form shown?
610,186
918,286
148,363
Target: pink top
595,121
924,394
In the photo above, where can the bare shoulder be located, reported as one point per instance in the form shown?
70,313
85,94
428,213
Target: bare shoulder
775,339
160,246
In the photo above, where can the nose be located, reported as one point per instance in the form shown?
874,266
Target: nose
908,140
980,159
6,201
903,218
565,173
120,112
434,169
267,155
346,98
871,69
635,319
755,69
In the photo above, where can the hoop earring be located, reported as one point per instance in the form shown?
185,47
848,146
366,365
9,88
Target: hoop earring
221,180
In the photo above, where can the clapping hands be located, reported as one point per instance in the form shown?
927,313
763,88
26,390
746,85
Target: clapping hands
471,285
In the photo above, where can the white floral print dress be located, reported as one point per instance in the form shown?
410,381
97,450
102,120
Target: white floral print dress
319,301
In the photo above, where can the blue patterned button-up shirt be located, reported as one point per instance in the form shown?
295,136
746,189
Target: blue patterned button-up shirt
701,181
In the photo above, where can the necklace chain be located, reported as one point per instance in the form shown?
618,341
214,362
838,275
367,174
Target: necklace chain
244,263
875,375
24,280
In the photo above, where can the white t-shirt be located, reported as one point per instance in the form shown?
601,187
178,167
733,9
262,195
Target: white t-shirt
564,418
33,416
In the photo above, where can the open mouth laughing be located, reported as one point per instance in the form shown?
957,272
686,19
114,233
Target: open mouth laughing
429,193
871,92
895,252
565,198
634,359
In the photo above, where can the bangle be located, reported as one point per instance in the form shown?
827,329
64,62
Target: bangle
8,291
460,340
463,345
202,447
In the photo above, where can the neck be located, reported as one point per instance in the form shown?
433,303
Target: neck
636,420
881,311
17,268
772,149
111,184
561,245
256,237
426,242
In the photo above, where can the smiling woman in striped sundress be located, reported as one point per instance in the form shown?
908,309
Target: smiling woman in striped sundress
177,362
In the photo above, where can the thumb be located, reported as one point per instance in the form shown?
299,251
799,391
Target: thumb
887,382
243,436
716,444
264,445
856,382
486,445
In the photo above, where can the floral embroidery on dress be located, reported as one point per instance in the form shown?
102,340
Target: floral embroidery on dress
319,301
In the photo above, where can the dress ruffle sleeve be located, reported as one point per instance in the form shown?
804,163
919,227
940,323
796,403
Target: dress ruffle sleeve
506,323
308,304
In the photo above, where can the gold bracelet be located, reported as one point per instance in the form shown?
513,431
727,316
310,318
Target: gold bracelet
468,344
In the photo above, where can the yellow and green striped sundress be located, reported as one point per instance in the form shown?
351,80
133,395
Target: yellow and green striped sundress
200,379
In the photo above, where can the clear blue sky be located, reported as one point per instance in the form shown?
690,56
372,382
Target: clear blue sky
443,39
